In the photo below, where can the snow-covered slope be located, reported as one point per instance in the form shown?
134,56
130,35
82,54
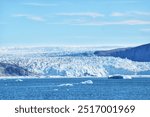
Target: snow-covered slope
67,62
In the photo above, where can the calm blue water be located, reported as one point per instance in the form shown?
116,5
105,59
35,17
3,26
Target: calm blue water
74,89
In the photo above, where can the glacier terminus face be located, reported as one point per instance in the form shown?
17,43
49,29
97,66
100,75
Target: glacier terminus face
65,62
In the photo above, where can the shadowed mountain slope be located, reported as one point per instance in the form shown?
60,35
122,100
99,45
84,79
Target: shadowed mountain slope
139,53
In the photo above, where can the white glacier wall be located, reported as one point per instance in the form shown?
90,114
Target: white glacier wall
51,62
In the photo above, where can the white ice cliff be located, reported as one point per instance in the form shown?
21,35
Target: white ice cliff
65,62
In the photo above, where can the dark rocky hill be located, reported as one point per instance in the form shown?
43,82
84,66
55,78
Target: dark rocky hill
12,70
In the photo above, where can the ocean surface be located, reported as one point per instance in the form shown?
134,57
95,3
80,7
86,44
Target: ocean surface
75,89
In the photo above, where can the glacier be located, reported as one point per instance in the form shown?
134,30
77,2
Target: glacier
65,62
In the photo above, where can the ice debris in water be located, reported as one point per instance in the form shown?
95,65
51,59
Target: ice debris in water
55,89
87,82
19,80
68,84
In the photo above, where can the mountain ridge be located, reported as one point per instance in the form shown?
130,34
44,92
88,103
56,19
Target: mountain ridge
140,53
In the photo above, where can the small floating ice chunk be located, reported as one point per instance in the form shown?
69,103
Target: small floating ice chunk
127,77
68,84
55,89
19,80
87,82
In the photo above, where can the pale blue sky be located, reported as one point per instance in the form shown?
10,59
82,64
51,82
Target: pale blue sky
74,22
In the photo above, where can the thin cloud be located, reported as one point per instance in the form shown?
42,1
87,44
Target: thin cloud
134,13
135,22
118,14
39,4
30,17
105,23
86,14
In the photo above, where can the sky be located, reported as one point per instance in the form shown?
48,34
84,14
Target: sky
74,22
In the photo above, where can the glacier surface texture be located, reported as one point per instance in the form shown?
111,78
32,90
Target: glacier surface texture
65,62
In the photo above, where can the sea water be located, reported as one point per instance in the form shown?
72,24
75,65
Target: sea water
75,89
